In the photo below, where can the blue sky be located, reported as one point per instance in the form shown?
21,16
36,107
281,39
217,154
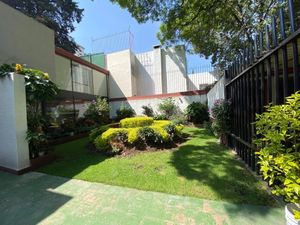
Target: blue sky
102,18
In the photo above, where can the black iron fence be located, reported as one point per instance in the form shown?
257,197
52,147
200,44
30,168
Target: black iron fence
265,73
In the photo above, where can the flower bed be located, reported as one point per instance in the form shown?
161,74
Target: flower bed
139,133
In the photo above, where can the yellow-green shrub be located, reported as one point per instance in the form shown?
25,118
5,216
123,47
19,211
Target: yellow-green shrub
179,128
136,122
133,135
161,131
156,134
102,142
162,123
97,132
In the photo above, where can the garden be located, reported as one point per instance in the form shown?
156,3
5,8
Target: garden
166,151
169,150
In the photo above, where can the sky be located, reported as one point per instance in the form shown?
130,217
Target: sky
102,18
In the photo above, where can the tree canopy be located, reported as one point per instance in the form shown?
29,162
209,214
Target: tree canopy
59,15
211,28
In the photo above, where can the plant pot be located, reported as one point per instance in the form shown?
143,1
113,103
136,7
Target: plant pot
289,215
223,140
42,161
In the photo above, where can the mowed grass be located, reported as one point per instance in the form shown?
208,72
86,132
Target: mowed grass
199,168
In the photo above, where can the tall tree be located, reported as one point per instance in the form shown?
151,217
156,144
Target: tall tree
59,15
211,28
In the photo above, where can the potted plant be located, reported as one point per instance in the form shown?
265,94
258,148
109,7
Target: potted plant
278,132
221,119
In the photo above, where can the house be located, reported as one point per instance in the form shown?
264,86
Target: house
124,78
117,76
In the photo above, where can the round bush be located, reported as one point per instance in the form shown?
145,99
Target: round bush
197,112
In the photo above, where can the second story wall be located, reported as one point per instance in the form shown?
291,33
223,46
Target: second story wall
24,40
78,75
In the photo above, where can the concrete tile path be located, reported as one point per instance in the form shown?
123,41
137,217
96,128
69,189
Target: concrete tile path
36,198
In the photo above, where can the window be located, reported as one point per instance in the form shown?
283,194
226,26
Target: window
82,79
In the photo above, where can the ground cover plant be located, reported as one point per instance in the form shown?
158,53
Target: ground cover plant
200,168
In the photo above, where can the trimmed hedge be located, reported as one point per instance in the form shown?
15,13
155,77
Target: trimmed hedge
136,122
158,133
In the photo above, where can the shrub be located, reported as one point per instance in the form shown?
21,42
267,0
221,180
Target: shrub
168,107
98,111
159,130
115,139
278,130
97,132
174,131
197,112
112,134
208,127
133,135
136,122
160,117
221,117
125,112
148,111
179,118
162,123
150,136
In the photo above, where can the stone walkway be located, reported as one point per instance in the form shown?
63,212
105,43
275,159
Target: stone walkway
36,198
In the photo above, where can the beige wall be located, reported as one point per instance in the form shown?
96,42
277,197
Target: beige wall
120,79
24,40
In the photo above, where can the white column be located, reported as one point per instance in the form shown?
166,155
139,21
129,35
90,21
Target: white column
14,151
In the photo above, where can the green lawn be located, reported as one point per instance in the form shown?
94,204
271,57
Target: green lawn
199,168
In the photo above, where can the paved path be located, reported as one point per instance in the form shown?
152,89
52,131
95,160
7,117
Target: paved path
36,198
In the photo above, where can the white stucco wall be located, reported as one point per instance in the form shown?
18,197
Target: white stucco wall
14,152
120,79
217,92
174,69
24,40
198,81
181,101
147,81
161,71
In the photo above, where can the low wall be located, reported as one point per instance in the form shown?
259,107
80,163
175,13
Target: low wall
217,92
182,99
